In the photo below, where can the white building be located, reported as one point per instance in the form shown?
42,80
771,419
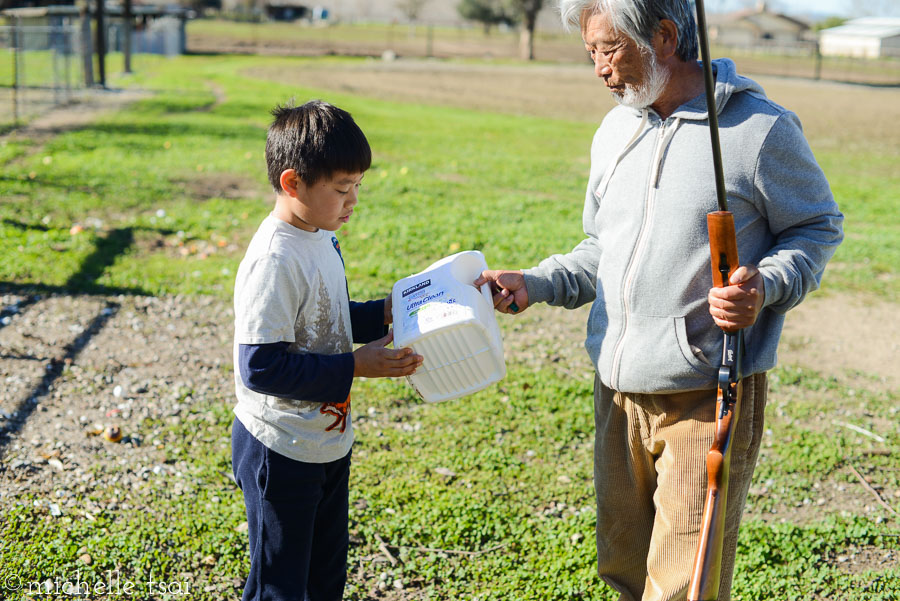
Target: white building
870,37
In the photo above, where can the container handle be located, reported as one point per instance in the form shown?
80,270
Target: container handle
486,293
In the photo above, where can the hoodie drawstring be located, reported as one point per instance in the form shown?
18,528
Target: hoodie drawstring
660,153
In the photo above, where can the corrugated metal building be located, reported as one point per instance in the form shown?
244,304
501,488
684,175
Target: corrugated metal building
870,37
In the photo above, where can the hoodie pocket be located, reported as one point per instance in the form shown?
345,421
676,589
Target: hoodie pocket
653,356
687,349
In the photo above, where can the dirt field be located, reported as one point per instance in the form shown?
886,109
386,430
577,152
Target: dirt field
287,40
845,121
372,40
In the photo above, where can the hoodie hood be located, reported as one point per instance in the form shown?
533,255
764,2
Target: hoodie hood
728,83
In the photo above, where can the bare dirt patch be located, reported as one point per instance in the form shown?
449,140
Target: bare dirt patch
833,496
223,185
842,122
394,40
86,109
561,91
74,365
846,336
852,339
856,560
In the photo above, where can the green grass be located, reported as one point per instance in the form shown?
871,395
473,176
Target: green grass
497,172
505,450
485,171
797,563
146,186
805,449
867,188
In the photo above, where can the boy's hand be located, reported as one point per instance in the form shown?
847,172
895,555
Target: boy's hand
375,361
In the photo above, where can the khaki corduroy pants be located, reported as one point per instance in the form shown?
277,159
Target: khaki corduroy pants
650,481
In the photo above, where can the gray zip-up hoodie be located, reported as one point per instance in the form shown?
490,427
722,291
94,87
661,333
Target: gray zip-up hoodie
645,261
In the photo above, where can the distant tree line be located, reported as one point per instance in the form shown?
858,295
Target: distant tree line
491,13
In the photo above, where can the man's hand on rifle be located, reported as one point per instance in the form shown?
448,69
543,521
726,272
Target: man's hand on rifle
736,306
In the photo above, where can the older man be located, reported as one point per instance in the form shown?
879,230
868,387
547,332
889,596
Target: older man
645,265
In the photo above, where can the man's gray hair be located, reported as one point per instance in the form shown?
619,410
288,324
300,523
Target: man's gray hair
639,20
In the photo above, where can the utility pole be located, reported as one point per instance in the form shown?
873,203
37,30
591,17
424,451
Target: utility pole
128,19
101,42
16,33
818,68
87,50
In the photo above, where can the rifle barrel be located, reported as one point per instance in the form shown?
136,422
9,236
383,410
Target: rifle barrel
711,107
706,572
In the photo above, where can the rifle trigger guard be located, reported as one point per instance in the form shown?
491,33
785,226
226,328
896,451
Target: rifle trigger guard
726,387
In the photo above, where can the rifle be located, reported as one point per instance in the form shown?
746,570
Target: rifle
706,573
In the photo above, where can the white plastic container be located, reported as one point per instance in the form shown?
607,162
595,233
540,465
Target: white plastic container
447,320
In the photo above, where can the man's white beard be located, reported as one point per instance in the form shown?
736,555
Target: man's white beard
655,79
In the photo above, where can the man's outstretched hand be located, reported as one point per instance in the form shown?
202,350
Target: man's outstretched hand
374,360
508,288
737,306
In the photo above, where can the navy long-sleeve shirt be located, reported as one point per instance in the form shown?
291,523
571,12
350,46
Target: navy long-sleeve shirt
271,369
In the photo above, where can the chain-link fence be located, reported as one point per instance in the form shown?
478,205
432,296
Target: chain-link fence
42,67
254,35
804,59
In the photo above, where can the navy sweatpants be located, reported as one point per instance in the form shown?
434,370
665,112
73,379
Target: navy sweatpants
297,522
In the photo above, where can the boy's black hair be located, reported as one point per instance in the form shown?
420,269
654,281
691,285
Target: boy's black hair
316,139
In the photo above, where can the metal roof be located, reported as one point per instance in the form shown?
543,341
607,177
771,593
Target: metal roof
753,15
870,27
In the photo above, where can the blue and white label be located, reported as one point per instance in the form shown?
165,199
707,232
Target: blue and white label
415,288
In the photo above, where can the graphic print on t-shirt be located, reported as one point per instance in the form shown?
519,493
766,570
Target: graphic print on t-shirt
321,331
340,412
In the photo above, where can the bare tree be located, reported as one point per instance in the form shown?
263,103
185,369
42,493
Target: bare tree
492,12
528,11
487,12
411,9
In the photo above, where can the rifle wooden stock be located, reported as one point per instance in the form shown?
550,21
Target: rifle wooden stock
706,573
722,246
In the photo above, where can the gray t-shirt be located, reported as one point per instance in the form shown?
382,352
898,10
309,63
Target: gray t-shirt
291,287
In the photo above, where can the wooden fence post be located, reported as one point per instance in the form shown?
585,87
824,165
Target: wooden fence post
87,48
16,32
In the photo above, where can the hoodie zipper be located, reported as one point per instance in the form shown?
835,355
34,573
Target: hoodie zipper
643,235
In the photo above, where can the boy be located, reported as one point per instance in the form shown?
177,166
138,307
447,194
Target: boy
294,329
